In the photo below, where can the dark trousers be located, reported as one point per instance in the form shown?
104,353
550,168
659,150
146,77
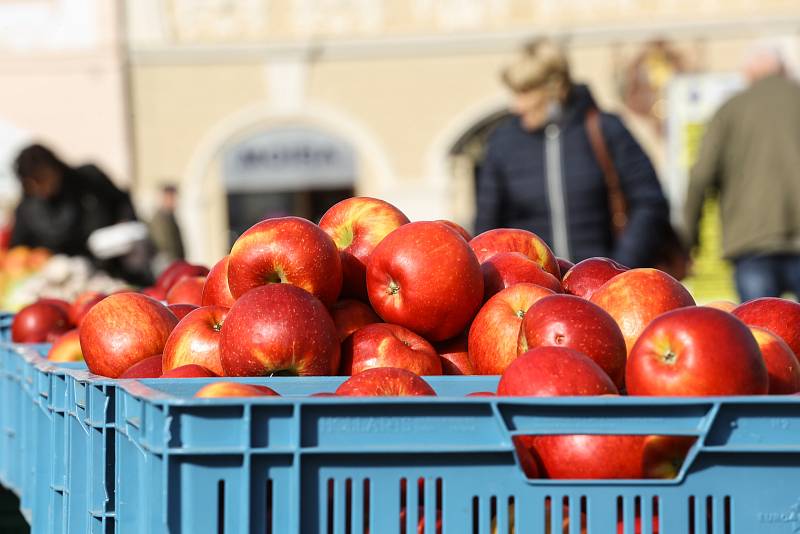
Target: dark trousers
768,275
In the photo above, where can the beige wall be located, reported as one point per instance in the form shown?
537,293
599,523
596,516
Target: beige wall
61,80
220,22
401,101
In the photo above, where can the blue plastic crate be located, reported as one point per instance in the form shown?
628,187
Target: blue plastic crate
5,337
45,451
344,465
88,476
17,406
5,326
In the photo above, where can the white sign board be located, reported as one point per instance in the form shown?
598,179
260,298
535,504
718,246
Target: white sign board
288,159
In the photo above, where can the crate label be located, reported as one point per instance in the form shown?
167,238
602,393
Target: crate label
781,423
394,425
789,518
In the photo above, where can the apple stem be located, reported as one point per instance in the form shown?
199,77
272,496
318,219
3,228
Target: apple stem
670,357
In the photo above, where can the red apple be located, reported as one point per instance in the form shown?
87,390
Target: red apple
191,370
457,227
436,527
455,356
724,305
155,293
549,528
67,348
279,329
779,316
696,351
349,315
148,368
494,333
575,323
588,275
526,243
323,394
424,277
187,290
663,456
385,382
168,275
354,277
234,389
288,250
181,310
577,456
526,456
357,225
61,304
123,329
195,340
481,394
508,268
636,297
39,322
554,371
176,271
388,345
563,267
637,525
82,304
782,365
216,291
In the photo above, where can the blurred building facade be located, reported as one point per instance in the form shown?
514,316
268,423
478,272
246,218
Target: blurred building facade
63,81
283,106
267,107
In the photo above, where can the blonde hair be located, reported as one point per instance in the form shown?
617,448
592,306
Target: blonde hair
540,63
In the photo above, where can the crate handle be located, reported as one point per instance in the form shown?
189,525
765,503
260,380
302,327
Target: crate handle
595,415
581,416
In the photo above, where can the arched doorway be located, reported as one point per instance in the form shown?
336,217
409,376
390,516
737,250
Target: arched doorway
205,211
291,169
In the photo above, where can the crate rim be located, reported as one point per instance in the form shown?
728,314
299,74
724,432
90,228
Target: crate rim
142,388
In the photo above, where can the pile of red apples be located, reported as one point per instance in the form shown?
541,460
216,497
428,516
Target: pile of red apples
366,293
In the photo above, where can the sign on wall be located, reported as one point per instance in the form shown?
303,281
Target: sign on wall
288,159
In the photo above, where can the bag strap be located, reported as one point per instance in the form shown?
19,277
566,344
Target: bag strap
617,204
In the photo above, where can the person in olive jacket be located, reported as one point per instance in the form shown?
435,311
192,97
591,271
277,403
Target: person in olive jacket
540,172
750,157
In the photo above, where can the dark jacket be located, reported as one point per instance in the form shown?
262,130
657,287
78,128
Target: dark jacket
750,156
534,180
88,200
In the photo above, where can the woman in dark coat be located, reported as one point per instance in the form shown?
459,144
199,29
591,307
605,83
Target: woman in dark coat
540,172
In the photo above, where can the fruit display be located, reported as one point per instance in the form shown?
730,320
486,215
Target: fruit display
385,302
27,275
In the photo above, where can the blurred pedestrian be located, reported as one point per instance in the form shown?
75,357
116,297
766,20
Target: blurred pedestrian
164,229
564,170
750,157
62,206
